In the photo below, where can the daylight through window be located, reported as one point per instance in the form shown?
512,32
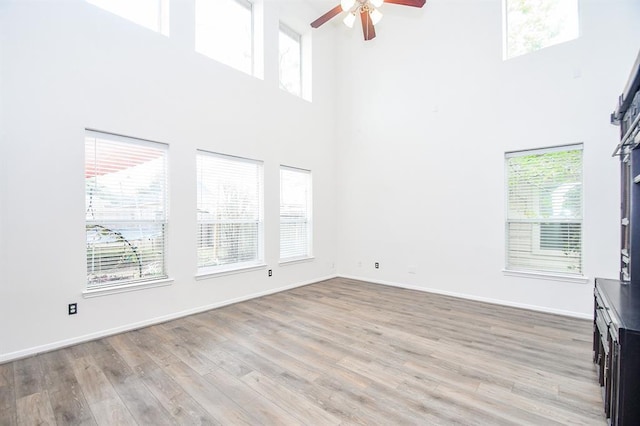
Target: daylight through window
126,209
295,214
532,25
290,60
544,210
224,32
230,212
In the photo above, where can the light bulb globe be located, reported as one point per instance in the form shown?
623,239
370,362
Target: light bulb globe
349,19
376,16
347,4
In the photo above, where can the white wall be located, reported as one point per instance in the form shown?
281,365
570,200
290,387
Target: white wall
66,66
407,160
430,108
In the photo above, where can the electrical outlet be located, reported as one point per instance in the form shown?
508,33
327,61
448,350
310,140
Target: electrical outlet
377,265
73,308
270,272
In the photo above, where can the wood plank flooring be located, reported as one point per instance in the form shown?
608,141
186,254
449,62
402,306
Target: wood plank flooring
336,352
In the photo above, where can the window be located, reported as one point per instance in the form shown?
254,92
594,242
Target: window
152,14
126,209
532,25
290,63
230,212
224,32
295,214
544,210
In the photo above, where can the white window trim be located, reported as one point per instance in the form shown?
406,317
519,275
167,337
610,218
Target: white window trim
227,269
294,260
256,37
205,274
142,285
132,285
299,38
302,32
505,35
578,279
249,5
545,150
306,65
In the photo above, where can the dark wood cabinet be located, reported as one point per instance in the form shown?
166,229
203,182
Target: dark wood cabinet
616,318
616,344
627,116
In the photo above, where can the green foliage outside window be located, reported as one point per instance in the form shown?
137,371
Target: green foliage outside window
535,24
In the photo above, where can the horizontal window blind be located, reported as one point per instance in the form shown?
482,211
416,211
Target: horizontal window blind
230,212
295,213
126,209
544,210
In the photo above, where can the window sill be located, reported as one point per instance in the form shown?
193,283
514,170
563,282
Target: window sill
106,291
230,271
547,276
294,260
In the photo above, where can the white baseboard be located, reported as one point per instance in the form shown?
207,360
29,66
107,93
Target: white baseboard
12,356
472,297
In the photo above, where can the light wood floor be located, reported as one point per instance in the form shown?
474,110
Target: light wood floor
336,352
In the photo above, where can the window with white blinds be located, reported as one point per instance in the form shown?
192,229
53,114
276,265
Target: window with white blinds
230,212
295,214
544,210
126,209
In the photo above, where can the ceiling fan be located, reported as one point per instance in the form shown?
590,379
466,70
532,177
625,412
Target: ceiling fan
368,10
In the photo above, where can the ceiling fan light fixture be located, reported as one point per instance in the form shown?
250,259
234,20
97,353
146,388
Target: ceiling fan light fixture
349,19
347,4
368,11
376,16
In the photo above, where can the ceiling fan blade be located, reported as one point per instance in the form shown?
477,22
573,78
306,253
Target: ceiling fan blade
324,18
367,26
414,3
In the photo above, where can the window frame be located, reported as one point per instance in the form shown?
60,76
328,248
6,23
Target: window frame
536,222
308,219
299,38
230,268
250,7
163,18
545,43
142,282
